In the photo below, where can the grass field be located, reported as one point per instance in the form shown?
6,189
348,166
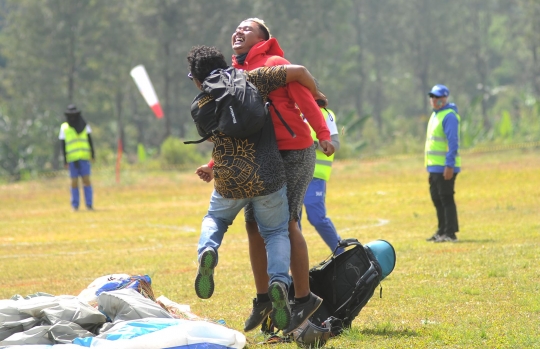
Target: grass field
482,292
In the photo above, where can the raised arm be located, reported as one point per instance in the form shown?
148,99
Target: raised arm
300,74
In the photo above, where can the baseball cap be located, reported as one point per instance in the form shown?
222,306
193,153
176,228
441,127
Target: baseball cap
439,91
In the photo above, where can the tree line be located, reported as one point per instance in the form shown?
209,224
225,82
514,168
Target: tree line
375,60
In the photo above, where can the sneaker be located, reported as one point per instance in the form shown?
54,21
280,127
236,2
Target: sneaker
303,311
259,312
281,310
446,238
204,282
433,237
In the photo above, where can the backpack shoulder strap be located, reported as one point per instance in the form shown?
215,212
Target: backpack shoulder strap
200,140
267,105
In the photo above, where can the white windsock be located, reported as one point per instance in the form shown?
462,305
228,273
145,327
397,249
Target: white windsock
146,88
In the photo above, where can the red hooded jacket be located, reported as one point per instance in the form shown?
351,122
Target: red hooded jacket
268,53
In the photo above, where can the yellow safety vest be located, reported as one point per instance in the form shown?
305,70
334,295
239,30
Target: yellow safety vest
436,142
323,163
77,145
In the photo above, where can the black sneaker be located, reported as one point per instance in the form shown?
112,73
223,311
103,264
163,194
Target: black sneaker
446,238
281,310
433,237
204,282
259,312
303,311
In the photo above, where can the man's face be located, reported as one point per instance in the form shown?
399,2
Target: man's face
195,81
437,102
246,35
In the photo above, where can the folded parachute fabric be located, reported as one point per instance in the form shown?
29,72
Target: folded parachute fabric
47,320
63,332
128,304
116,311
89,293
166,333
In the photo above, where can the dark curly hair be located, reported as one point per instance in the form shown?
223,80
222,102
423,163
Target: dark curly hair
203,59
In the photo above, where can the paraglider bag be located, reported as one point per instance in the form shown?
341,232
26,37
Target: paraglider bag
347,281
237,107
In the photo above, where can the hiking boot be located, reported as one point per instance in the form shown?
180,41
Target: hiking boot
303,311
446,238
204,282
281,310
259,312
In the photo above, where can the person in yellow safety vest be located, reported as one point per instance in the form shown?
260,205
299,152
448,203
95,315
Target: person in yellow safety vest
314,200
78,150
443,162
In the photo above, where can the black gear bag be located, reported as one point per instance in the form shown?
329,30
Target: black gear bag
347,281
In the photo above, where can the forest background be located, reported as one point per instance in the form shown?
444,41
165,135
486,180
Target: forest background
375,60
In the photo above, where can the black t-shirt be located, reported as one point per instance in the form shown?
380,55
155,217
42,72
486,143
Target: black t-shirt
247,167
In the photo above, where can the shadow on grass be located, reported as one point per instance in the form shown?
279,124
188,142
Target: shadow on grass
475,241
389,333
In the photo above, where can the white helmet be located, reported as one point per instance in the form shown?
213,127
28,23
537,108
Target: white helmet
309,335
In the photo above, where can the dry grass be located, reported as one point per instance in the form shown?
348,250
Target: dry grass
480,292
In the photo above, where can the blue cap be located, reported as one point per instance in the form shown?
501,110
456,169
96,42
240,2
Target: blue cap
385,254
439,91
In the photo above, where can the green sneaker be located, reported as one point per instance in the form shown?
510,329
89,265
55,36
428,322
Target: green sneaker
281,310
204,282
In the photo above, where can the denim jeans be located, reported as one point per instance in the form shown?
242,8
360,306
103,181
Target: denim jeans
272,216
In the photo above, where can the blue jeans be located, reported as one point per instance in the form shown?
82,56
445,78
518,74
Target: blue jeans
272,217
316,213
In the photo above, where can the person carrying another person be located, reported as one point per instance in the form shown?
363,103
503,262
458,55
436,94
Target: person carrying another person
254,47
78,150
247,170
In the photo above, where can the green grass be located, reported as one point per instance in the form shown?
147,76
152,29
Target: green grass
482,292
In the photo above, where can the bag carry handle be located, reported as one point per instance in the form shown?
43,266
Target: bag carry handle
347,242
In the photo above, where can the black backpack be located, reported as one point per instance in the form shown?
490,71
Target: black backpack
345,282
239,109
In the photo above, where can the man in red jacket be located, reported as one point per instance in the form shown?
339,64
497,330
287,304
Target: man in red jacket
254,48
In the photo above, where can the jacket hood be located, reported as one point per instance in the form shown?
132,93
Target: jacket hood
452,106
269,47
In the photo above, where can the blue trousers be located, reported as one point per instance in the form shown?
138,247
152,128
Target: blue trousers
80,168
314,201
